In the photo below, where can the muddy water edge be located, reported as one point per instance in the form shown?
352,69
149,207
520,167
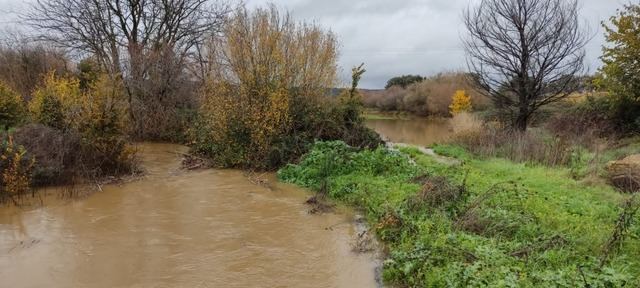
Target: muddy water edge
173,228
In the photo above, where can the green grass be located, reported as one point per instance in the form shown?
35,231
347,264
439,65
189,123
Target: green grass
540,228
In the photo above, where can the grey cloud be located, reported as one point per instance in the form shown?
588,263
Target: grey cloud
394,37
412,36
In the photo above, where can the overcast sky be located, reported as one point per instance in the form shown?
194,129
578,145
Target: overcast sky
395,37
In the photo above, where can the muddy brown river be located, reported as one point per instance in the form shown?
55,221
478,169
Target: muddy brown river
413,130
173,228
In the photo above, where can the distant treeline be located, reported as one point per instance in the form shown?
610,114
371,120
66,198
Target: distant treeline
430,96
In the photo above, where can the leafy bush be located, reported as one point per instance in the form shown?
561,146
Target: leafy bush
620,74
264,113
80,132
55,103
15,171
460,102
12,108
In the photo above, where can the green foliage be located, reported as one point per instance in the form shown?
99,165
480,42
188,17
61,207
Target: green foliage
12,108
620,72
518,225
404,81
88,73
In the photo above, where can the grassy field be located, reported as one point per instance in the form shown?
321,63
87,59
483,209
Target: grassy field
486,222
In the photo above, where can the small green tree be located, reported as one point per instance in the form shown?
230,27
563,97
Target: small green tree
12,108
621,72
352,101
404,81
88,73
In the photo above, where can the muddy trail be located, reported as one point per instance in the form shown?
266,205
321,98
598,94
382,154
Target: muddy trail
176,228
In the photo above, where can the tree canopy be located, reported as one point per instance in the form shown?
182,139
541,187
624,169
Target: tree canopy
404,81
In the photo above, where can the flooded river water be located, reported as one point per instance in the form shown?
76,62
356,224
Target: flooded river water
413,130
173,228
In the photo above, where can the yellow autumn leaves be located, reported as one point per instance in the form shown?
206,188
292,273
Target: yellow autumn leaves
460,102
15,175
263,67
60,103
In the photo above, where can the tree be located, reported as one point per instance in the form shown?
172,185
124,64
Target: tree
24,63
12,108
621,72
148,45
525,54
266,71
404,81
460,102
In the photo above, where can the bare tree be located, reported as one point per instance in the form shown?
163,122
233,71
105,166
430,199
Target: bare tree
22,63
525,54
133,39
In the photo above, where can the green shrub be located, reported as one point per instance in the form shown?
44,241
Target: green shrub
12,108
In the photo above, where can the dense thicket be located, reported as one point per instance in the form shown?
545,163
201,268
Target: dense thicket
153,47
265,100
431,96
621,73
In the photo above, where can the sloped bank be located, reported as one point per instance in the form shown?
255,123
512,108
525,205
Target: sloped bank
477,222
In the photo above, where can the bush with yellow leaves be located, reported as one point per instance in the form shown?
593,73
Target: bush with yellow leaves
102,123
460,102
95,115
265,101
15,171
56,102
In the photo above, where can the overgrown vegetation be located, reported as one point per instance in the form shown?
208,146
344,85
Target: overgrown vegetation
16,169
12,108
68,135
432,96
265,112
488,222
619,75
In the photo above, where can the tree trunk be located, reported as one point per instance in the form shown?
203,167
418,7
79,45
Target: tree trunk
521,121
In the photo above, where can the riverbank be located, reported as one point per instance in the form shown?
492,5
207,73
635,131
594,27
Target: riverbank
486,222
